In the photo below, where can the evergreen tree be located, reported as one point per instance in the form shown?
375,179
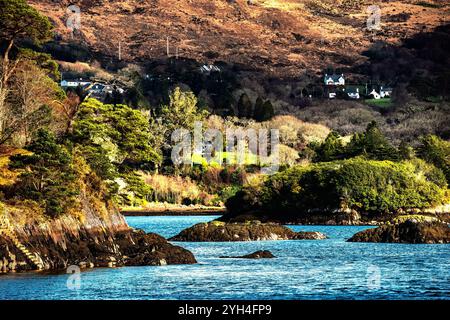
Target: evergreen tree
268,111
331,149
49,177
244,106
263,110
258,112
18,21
372,144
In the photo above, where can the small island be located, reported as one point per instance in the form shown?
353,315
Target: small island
250,231
409,231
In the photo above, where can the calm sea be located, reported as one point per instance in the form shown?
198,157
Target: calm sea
325,269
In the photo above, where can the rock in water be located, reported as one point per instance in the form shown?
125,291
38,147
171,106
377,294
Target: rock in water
261,254
252,231
312,235
406,232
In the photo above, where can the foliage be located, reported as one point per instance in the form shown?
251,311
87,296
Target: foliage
136,192
48,175
43,61
114,138
20,20
177,190
436,151
263,110
30,99
365,185
244,106
371,144
181,113
331,149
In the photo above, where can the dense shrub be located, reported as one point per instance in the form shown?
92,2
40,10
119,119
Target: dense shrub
436,151
365,185
371,144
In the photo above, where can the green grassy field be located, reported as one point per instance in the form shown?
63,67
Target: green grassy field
228,157
383,103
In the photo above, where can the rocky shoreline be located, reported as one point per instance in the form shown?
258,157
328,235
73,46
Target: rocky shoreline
97,241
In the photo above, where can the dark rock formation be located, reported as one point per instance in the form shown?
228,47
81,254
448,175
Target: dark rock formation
254,231
406,232
261,254
98,241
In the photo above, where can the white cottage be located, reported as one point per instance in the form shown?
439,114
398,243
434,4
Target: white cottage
353,93
375,94
334,80
74,83
385,92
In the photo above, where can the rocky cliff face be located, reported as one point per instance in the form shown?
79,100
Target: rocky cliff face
97,240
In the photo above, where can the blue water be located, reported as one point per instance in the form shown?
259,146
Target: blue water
325,269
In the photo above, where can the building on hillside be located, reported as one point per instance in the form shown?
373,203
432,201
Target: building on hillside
208,68
334,80
375,94
352,92
385,92
74,83
100,91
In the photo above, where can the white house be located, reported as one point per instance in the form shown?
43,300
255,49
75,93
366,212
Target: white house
74,83
375,94
208,68
353,93
385,92
334,80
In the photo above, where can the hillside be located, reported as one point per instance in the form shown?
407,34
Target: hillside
280,38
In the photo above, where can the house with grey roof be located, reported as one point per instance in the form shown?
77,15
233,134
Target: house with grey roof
334,80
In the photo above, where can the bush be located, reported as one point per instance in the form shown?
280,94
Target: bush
436,151
365,185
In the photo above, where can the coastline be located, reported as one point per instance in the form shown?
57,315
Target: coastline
172,211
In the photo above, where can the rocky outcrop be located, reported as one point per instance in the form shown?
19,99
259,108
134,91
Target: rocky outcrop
261,254
409,231
252,231
96,240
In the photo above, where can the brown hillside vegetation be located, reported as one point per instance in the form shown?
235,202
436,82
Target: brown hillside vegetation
278,37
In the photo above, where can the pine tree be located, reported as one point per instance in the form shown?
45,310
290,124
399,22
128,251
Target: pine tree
49,178
263,110
244,106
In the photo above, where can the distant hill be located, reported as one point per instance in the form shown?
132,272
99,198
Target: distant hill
280,38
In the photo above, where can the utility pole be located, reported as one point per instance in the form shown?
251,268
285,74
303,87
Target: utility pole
168,52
